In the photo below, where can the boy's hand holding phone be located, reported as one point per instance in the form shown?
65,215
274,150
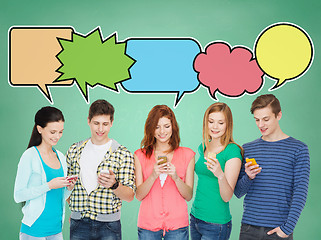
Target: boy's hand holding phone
252,168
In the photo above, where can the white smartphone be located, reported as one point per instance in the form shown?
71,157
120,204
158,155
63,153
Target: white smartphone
105,171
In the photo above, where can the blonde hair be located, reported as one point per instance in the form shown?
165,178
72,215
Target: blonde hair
227,137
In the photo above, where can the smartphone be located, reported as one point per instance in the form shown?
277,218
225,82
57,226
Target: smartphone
72,177
211,155
164,160
252,160
105,171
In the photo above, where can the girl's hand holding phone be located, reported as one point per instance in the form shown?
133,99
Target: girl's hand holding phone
72,181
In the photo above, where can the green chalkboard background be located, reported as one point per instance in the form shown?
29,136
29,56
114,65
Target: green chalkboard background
236,22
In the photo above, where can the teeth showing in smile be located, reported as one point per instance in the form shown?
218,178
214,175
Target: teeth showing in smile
263,129
54,140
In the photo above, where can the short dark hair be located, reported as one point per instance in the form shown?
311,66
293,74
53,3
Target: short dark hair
101,107
265,101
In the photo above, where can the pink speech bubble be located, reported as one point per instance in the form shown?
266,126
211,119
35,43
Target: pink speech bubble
232,72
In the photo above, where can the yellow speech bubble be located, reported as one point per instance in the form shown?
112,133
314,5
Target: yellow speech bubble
284,51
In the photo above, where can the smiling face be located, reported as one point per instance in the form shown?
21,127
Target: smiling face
51,133
100,126
163,131
267,122
216,125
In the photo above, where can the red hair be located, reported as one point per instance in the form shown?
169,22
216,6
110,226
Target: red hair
149,141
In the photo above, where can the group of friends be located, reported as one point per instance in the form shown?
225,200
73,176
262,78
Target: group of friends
98,173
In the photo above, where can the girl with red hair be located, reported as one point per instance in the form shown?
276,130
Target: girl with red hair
164,178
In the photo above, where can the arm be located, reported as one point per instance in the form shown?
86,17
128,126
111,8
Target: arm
184,188
245,179
71,182
228,178
69,172
143,188
124,193
26,177
23,192
227,183
300,192
300,189
125,176
70,158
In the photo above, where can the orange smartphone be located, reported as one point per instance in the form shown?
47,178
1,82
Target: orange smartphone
252,160
164,160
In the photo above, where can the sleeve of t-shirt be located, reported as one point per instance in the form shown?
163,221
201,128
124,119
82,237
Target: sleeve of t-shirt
233,151
126,172
201,149
300,189
70,155
62,159
22,190
243,183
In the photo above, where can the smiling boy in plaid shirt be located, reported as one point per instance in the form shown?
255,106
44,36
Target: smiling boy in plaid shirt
105,171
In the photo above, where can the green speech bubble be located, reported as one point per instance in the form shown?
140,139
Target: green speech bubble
90,60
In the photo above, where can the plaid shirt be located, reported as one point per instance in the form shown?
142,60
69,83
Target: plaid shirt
102,200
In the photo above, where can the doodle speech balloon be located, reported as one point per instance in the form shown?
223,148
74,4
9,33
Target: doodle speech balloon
163,65
284,52
32,57
91,60
229,71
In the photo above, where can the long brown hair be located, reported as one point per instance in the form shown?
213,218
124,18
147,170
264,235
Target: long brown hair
227,137
149,141
44,116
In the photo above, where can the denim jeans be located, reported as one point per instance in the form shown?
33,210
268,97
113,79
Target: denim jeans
87,229
201,230
178,234
24,236
250,232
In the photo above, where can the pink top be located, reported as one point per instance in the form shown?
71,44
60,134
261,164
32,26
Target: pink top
164,208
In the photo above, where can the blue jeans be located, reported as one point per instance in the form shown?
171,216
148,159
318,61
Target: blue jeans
201,230
87,229
24,236
178,234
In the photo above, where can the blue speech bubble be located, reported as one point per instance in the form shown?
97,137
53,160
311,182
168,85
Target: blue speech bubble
162,66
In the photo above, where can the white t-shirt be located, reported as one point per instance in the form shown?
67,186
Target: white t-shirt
90,158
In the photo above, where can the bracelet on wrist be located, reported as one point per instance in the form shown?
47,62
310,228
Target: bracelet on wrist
115,186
